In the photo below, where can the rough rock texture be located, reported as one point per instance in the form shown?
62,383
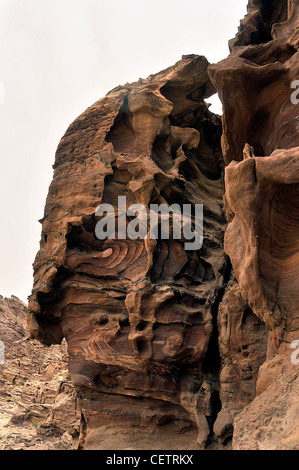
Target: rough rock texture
168,348
243,347
260,146
139,316
37,399
254,82
271,421
12,320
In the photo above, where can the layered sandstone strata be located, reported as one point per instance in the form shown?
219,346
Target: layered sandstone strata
37,399
139,316
166,345
12,320
260,144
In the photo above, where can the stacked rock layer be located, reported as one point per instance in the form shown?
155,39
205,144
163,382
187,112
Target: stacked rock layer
166,344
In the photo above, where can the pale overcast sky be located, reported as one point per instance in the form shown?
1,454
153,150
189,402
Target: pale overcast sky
58,57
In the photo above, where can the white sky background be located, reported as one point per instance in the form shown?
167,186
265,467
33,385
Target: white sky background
57,57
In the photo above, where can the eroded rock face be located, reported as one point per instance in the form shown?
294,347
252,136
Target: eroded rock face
262,191
12,320
243,347
266,226
271,422
254,82
260,146
138,315
37,399
166,345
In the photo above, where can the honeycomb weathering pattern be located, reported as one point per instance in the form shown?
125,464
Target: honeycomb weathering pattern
166,346
138,315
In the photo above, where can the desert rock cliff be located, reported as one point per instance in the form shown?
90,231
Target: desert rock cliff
172,348
260,144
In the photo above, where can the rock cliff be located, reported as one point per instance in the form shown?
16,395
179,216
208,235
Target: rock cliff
139,316
260,144
166,344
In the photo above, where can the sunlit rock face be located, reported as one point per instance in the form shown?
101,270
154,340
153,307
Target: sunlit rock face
260,144
139,316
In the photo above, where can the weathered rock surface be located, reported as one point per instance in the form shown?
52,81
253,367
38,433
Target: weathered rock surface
168,348
243,347
254,82
139,316
37,399
260,146
12,320
271,421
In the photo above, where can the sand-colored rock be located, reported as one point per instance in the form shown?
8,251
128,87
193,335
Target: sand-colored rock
171,348
260,144
243,342
138,315
37,399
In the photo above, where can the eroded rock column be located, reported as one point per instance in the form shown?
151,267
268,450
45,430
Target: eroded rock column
139,316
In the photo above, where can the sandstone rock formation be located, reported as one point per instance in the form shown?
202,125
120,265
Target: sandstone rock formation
12,321
260,144
243,347
139,316
37,398
169,348
271,421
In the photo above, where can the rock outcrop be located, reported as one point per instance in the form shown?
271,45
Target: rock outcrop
139,316
13,314
172,348
37,399
260,144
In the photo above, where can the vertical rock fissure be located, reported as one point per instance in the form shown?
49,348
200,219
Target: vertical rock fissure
212,363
